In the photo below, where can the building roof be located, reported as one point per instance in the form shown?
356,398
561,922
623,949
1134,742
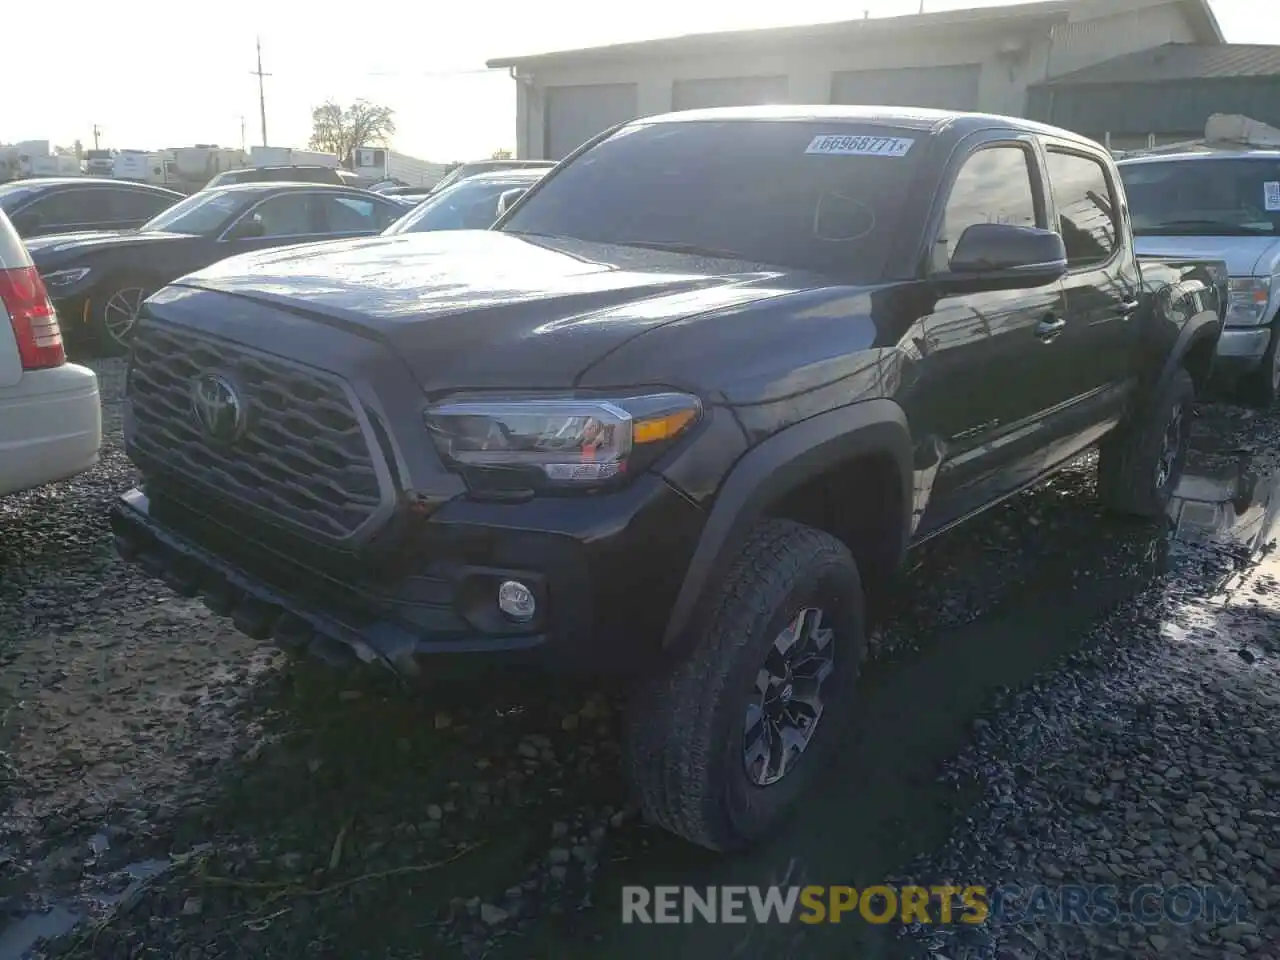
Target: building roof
1180,61
1038,13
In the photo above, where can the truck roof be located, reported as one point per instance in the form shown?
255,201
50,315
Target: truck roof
912,118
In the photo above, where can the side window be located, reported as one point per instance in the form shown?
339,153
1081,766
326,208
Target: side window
287,215
137,205
70,207
351,215
1086,208
993,186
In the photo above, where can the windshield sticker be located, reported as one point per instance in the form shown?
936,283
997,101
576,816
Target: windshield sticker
1271,195
861,146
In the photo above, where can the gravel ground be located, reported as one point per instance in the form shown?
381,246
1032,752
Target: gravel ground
186,793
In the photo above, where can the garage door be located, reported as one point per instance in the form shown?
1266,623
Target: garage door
728,92
945,88
576,114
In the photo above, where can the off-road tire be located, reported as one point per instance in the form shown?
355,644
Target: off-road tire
685,727
1128,458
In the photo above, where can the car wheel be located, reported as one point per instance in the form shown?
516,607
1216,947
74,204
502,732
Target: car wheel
722,745
1262,389
1140,464
115,312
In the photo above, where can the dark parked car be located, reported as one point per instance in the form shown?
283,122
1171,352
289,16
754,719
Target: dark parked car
681,412
295,173
472,204
62,204
462,171
97,280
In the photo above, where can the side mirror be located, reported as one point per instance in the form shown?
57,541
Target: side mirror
1009,254
26,222
250,228
508,198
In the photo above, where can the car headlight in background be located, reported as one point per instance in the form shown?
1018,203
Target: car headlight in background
563,443
1248,304
64,279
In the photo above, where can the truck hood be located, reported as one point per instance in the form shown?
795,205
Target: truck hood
65,245
1244,256
482,309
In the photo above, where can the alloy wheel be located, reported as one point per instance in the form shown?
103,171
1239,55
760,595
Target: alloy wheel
120,313
785,702
1170,447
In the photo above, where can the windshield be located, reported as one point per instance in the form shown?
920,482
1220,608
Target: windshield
13,195
469,205
202,213
811,195
1204,198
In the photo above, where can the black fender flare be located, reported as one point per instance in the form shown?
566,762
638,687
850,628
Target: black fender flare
777,465
1206,325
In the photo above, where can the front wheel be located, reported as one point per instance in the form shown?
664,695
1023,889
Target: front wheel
1141,462
115,314
1262,388
722,746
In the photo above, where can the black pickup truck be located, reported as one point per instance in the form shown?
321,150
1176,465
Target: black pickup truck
681,412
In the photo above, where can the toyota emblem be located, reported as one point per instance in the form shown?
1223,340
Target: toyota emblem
217,407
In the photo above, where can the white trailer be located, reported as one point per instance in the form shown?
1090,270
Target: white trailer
372,164
290,157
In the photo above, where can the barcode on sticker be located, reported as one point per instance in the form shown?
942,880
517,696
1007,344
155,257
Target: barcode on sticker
1271,196
860,146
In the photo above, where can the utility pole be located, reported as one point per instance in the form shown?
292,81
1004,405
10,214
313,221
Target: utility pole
242,141
97,132
262,96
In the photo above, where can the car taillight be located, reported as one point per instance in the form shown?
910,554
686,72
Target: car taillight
35,325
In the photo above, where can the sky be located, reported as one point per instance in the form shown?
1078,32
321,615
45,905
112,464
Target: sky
152,79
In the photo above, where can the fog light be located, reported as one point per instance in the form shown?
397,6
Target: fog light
516,600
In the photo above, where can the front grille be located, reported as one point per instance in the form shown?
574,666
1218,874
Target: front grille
302,457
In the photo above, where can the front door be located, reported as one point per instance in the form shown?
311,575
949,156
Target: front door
988,350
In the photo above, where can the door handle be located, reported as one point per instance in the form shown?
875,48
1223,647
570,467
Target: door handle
1049,328
1128,307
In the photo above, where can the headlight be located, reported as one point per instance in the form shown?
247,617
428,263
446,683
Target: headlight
1247,306
559,442
61,279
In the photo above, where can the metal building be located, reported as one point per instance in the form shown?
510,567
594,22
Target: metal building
980,59
1162,95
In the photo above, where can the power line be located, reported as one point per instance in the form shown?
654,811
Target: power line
262,96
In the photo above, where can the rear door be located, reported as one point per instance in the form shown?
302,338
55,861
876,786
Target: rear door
987,350
1095,371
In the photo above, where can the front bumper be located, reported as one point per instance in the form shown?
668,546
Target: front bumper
605,571
1241,349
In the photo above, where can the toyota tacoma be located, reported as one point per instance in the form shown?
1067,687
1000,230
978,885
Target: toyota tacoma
679,413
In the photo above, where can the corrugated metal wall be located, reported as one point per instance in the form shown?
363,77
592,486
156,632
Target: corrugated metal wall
1138,109
575,114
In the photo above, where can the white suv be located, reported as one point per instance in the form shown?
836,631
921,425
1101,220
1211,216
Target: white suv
50,415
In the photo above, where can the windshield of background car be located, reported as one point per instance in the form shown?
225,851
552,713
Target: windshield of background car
14,195
202,213
469,205
1204,198
812,195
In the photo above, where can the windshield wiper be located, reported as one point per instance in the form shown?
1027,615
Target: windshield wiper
678,246
1201,228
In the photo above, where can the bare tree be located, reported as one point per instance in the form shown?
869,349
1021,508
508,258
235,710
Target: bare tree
340,130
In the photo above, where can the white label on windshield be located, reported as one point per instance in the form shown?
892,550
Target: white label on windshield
1271,195
860,146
